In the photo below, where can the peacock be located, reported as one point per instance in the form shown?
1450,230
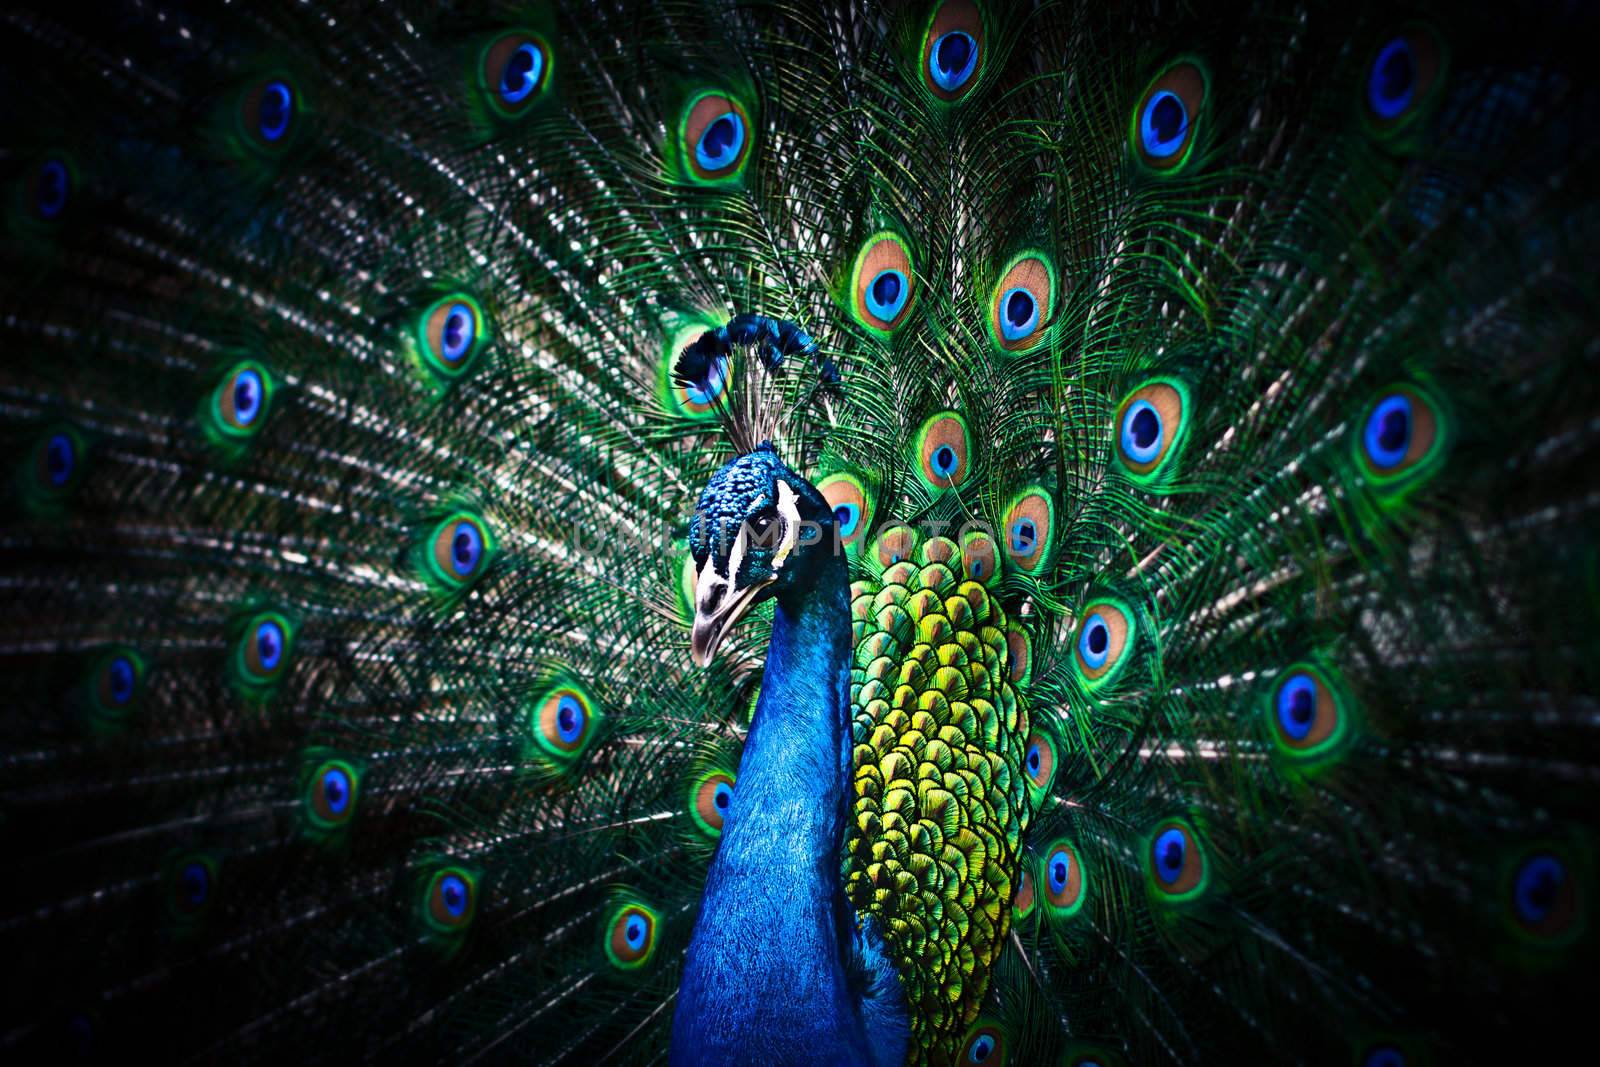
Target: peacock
799,531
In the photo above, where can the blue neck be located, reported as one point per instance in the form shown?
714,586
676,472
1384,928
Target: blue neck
766,979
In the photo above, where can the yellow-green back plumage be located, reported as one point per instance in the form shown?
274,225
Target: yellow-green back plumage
940,803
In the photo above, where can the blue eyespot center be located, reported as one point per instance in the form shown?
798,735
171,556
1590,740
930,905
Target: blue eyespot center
1024,537
569,719
269,645
460,330
1141,432
1033,758
454,894
1538,887
247,397
1388,432
1393,81
466,548
1164,125
723,796
522,74
704,392
122,677
275,111
1060,870
847,516
952,60
50,191
1297,706
336,790
944,461
982,1048
1169,853
60,457
887,294
720,142
635,932
195,883
1095,644
1021,315
1384,1056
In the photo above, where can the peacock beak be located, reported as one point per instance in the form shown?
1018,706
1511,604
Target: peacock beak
718,605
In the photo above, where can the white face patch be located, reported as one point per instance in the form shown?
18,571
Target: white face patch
789,511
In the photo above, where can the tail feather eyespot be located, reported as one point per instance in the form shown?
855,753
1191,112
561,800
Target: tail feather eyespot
263,650
450,900
1402,78
943,451
1062,880
1023,303
331,794
715,137
709,802
451,333
953,48
630,937
563,722
514,71
1104,641
1168,116
1176,861
269,113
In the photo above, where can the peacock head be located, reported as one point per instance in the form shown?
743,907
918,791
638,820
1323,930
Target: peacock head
760,531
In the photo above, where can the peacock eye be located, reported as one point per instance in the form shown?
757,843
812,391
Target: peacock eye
1383,1056
1023,302
1039,761
56,461
563,722
952,49
263,650
194,885
1307,712
452,334
883,282
1103,640
515,71
985,1045
52,189
715,137
709,802
1022,903
1544,896
267,112
451,899
631,937
461,547
701,396
894,544
1401,435
1177,866
1151,427
942,449
240,400
331,800
952,60
1028,525
980,558
1019,655
191,885
117,681
1063,880
1167,115
1402,76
